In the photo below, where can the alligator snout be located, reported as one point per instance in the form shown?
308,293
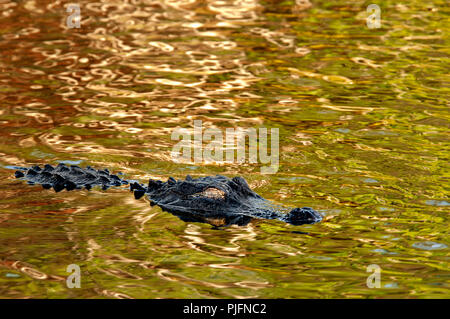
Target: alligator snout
304,215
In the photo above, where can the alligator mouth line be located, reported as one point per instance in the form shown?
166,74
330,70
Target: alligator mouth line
216,200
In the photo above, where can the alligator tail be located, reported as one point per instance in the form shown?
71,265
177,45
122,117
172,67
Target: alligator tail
69,177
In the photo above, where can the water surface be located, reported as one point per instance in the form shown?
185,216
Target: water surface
363,121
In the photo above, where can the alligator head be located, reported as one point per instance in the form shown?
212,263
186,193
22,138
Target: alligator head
219,201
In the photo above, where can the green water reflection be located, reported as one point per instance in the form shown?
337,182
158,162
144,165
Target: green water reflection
363,121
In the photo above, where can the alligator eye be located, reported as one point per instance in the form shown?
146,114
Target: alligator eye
211,192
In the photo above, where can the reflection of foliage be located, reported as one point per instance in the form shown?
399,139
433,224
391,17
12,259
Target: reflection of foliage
372,154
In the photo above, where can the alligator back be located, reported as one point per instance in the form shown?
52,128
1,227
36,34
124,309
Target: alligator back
69,177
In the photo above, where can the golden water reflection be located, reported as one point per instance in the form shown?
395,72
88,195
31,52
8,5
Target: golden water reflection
363,120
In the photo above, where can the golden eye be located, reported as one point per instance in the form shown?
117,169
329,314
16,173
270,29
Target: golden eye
216,221
211,192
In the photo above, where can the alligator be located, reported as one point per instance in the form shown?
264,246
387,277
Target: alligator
216,200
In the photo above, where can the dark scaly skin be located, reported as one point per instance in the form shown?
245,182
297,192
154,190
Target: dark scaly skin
216,200
69,177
